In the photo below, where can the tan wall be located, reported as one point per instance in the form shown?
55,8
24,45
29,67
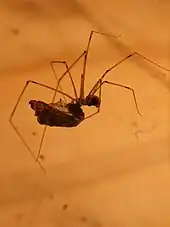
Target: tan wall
113,169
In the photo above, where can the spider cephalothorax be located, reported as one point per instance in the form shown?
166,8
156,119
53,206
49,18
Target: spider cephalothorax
93,100
90,100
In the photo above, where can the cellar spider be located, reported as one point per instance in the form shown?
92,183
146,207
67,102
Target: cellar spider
63,114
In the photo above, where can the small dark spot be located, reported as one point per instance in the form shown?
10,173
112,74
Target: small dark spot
15,31
42,157
83,219
65,206
19,216
34,133
51,196
134,124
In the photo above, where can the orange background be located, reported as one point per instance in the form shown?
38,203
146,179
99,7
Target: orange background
113,169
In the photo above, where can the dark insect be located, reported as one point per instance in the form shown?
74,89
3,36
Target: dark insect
57,114
63,114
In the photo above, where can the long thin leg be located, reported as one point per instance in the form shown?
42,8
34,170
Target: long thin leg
58,86
121,61
45,127
68,71
40,84
56,90
59,80
15,107
26,145
85,60
123,86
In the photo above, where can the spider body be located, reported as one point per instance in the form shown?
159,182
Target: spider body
57,114
90,100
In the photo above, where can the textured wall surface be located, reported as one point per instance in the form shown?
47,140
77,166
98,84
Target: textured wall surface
113,169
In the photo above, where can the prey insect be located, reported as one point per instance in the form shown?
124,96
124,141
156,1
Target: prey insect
58,114
70,114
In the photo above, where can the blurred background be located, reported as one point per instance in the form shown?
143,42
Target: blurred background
113,169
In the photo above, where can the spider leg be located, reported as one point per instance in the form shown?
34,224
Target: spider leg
148,60
37,83
65,73
121,61
55,75
59,80
122,86
56,90
26,145
41,143
85,59
58,86
14,110
93,90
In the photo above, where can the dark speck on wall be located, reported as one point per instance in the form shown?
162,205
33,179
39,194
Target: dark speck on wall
42,157
65,206
83,219
34,133
19,216
15,31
